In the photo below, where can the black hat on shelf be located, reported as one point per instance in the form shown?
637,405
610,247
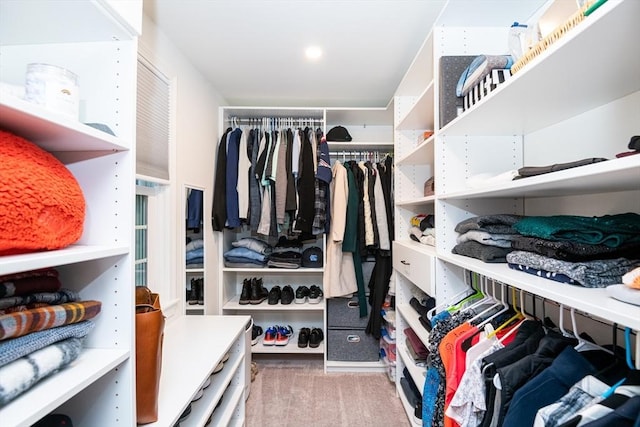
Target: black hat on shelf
338,134
312,257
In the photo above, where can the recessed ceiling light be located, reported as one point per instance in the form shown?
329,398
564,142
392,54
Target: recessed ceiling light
313,53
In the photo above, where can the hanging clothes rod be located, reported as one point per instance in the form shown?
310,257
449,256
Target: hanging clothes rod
282,119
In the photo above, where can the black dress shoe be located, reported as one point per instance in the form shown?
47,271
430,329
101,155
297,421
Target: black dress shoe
315,337
274,295
287,295
303,337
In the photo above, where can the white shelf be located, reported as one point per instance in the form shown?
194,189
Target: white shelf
223,415
421,155
416,202
262,271
408,408
567,79
219,391
338,366
69,255
590,300
417,372
53,391
359,146
193,346
53,131
290,348
420,116
413,320
233,304
608,176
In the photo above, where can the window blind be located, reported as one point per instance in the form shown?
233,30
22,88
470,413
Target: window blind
152,122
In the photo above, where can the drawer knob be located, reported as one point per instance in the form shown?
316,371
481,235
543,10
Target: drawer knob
353,338
353,304
405,262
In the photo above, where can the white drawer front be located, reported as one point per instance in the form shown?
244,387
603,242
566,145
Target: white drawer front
417,265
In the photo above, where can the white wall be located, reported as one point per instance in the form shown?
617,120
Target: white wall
193,153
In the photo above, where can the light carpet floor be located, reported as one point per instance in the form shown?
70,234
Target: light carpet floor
297,393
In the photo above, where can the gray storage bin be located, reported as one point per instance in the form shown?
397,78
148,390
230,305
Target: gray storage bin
345,313
352,345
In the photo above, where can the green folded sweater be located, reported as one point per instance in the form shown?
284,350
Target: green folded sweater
609,230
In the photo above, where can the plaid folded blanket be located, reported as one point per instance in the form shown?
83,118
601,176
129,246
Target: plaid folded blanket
51,298
37,319
15,348
20,375
28,282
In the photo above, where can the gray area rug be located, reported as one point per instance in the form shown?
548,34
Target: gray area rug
297,393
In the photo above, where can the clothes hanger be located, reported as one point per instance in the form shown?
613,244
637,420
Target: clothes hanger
477,282
584,345
504,309
518,316
444,306
489,298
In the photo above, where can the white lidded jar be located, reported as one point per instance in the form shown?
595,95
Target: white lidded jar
53,87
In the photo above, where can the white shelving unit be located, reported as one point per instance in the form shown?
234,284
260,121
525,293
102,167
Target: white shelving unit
538,117
372,132
99,387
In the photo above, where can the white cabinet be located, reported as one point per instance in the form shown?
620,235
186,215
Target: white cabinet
98,388
580,98
193,348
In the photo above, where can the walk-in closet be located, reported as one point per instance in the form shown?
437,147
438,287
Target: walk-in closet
291,213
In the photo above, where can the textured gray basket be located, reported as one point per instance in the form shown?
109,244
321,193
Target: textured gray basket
352,345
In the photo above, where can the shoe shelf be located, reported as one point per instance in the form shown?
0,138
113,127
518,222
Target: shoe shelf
220,390
409,410
417,372
234,304
268,270
339,365
291,347
189,359
412,318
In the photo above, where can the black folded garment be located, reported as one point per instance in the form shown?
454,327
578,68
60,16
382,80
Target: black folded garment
426,323
540,170
489,254
574,251
289,257
422,309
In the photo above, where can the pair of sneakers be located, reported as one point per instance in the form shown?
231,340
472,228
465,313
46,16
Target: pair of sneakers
284,295
311,337
277,335
312,294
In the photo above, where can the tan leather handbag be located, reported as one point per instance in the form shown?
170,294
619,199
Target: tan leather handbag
149,336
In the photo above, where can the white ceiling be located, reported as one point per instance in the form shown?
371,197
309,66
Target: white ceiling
252,51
